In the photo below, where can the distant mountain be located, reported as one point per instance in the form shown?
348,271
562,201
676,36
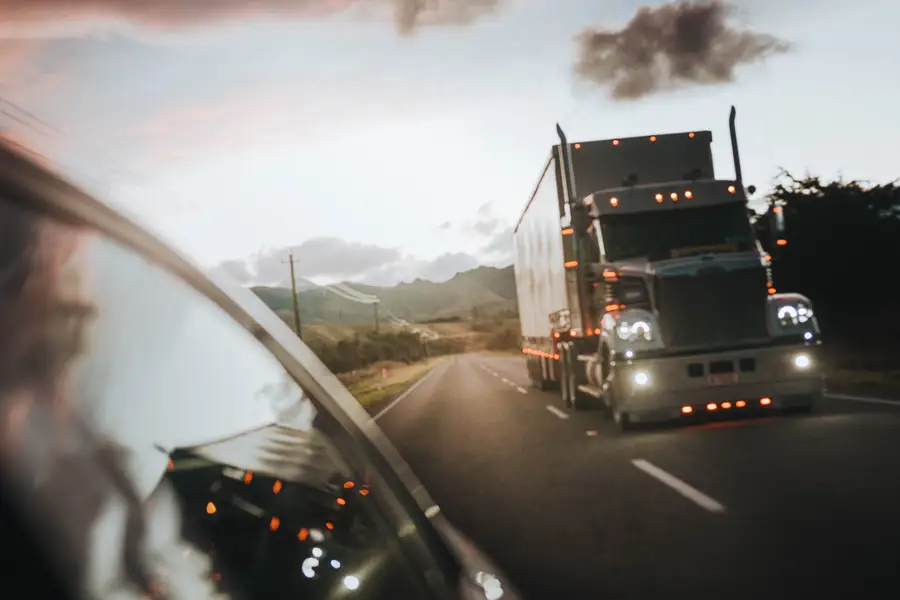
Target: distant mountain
485,290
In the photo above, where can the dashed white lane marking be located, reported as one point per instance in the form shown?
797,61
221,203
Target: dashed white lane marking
689,492
410,390
864,399
508,382
557,412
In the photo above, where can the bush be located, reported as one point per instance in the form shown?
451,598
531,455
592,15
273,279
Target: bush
364,350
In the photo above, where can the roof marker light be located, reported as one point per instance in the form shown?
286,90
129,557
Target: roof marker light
659,197
613,201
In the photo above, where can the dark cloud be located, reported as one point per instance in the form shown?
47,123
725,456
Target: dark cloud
445,226
669,46
407,14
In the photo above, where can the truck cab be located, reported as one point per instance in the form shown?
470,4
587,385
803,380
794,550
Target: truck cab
669,307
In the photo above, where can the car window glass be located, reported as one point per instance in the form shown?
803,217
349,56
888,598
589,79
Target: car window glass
161,446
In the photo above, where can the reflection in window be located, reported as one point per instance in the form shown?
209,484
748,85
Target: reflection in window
271,538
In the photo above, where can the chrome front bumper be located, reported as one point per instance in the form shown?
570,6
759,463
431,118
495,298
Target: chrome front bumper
698,380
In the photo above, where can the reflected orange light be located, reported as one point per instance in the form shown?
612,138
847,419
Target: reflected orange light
248,477
274,523
303,534
341,501
711,406
276,487
329,525
363,492
781,242
210,508
348,485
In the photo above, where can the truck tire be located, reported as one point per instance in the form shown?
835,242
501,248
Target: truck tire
564,371
623,420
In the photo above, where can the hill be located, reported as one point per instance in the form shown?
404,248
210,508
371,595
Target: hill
481,291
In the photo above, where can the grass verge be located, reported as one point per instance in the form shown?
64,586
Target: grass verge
386,380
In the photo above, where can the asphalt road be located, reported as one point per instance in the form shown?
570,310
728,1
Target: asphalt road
785,507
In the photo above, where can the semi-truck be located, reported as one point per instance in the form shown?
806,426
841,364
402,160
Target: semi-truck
642,286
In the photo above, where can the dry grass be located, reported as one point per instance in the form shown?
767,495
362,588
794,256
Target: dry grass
464,331
385,380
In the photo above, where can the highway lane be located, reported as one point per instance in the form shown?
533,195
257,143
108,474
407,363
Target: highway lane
788,507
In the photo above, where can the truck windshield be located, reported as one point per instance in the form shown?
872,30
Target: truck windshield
658,235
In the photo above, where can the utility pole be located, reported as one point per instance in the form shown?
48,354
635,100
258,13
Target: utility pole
375,304
294,297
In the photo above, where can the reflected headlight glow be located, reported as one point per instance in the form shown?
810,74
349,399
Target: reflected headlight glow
351,582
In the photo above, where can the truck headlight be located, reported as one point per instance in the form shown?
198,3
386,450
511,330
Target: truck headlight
802,361
791,315
641,378
632,331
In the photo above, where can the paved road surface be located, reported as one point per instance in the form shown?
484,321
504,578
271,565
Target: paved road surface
786,507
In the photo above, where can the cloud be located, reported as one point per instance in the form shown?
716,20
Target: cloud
335,259
486,225
670,46
63,17
500,248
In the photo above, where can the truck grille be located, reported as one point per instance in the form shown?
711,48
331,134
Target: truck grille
712,308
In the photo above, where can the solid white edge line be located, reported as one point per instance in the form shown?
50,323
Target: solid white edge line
408,391
864,399
689,492
555,411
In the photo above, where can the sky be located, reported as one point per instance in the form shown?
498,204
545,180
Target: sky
388,140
